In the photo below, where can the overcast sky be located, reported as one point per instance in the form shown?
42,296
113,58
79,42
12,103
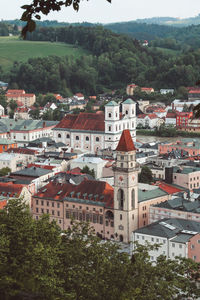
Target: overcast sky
104,12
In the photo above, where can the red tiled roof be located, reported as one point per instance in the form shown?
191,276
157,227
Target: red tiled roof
169,188
3,203
146,89
15,92
133,85
153,116
83,121
197,91
125,143
141,116
79,95
21,109
22,151
47,167
8,189
85,188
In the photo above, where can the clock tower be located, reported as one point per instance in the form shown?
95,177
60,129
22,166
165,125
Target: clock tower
125,189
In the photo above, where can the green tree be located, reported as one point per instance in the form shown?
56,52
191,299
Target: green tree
5,171
35,113
38,261
145,176
89,171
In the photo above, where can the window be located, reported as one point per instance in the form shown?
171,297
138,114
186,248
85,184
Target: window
42,202
152,239
120,217
47,211
109,115
58,205
87,138
42,210
122,157
37,209
126,112
106,223
157,240
192,246
77,138
47,203
133,199
52,212
52,204
112,224
194,257
173,245
101,219
198,241
87,208
67,136
59,135
36,202
120,198
58,213
121,165
60,221
67,214
97,139
180,246
109,128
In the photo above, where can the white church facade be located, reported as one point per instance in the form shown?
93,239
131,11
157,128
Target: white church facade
94,131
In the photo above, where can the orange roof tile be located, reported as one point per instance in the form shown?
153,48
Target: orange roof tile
126,143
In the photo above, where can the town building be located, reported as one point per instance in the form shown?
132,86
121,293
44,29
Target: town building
180,208
194,94
24,131
9,190
176,237
93,131
12,161
179,104
150,120
2,111
114,212
191,146
166,91
6,144
21,113
170,118
182,119
130,89
20,95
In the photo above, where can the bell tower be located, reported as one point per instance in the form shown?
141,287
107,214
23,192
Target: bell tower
125,188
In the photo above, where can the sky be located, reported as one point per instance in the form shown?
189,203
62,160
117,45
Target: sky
101,11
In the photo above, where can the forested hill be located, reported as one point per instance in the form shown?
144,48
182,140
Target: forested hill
114,61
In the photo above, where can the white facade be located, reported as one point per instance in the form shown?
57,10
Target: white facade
90,140
12,161
95,163
2,110
150,122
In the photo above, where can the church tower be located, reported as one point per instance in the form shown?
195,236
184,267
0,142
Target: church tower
125,189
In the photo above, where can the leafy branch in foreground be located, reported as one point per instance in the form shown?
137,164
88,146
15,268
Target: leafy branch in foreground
39,261
38,7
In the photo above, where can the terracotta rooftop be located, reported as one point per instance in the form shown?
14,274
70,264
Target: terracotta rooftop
22,151
125,143
169,188
96,191
8,189
83,121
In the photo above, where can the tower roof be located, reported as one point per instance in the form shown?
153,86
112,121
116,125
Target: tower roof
126,143
112,103
129,101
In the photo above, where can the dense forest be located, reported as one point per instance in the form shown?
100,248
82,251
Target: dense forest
114,61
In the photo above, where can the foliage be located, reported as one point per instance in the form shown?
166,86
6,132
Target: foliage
5,171
37,7
38,262
89,171
145,176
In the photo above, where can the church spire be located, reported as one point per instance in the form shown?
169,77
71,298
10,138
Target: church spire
126,143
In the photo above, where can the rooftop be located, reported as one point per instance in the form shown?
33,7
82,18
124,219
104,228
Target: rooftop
129,101
126,142
144,195
31,172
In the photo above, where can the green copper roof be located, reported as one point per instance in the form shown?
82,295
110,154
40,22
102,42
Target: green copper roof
129,101
150,194
111,103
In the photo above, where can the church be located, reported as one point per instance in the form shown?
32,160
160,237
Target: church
113,212
95,131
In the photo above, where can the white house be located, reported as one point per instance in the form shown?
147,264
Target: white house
95,163
167,91
93,131
176,237
2,110
150,120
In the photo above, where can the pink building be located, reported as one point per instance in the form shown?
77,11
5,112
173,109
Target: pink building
189,145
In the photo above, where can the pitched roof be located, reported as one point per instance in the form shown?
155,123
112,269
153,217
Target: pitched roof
9,189
112,103
22,151
128,101
83,121
125,143
87,191
169,188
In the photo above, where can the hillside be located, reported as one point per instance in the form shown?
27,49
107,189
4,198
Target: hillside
169,21
13,49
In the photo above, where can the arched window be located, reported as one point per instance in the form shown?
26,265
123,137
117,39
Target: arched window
67,136
132,111
77,138
109,128
121,238
126,112
120,198
87,138
133,199
109,115
97,139
59,135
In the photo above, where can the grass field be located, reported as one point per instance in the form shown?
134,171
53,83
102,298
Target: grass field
13,49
